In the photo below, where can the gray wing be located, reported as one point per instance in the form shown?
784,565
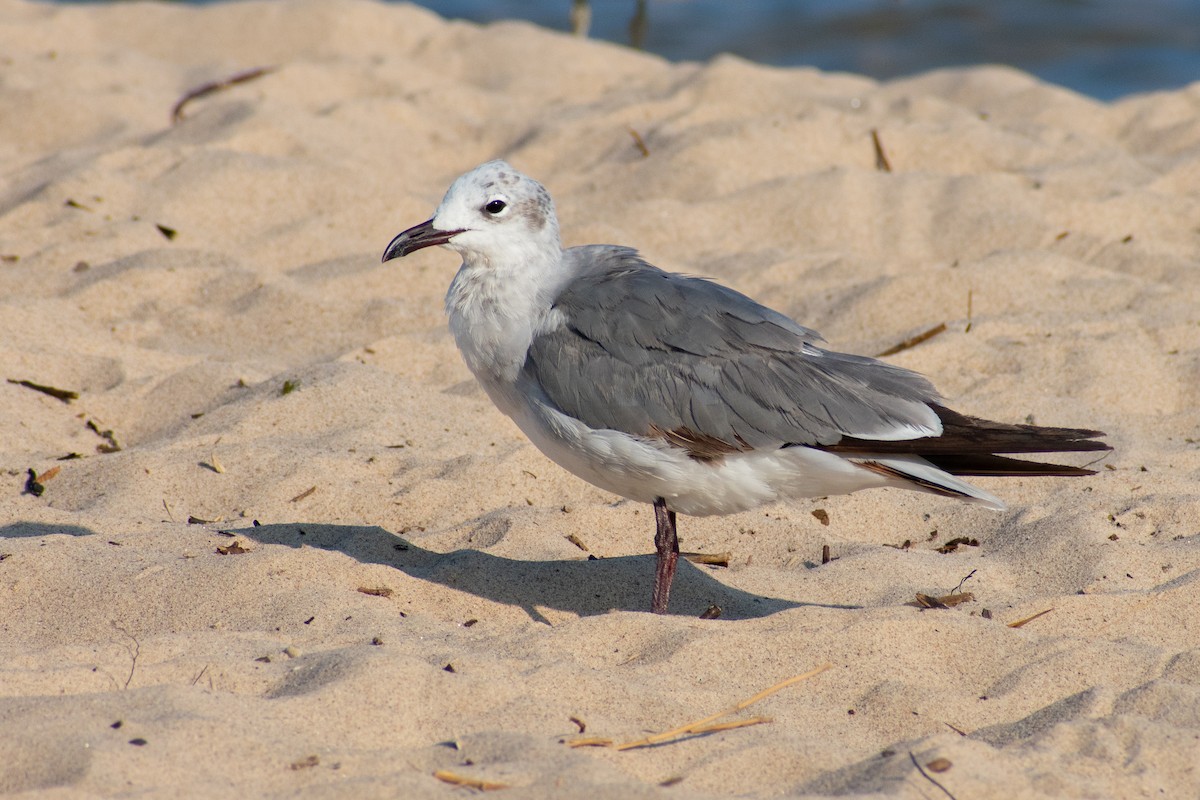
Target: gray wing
654,353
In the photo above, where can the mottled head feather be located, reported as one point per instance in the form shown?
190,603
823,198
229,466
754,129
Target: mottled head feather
498,210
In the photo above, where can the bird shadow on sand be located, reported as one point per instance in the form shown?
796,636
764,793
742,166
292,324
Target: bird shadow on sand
33,530
585,587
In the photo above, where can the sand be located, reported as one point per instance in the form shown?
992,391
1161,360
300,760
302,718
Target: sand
321,564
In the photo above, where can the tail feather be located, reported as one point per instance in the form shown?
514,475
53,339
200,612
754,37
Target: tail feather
912,472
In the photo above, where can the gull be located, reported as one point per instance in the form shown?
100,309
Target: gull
682,393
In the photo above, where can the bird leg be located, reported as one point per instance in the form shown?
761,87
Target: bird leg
666,542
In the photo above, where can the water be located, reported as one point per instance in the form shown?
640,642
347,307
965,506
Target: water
1103,48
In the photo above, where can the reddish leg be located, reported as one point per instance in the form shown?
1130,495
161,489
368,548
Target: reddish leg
667,544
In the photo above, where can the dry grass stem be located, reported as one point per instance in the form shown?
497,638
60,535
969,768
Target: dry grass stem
306,493
913,341
881,160
215,86
590,741
713,559
640,143
726,725
1021,622
64,395
446,776
709,724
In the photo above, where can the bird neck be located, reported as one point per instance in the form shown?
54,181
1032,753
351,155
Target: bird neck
495,310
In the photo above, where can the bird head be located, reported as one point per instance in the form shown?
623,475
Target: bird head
490,215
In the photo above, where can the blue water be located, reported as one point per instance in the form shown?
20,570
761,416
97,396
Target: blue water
1103,48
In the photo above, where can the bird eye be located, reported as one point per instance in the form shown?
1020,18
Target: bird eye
495,206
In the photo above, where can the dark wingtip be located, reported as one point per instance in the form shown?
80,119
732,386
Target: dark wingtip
970,446
990,465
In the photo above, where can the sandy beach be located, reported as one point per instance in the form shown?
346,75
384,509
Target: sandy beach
276,542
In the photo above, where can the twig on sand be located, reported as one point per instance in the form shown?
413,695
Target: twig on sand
881,160
215,86
707,725
710,559
134,652
639,142
304,495
1021,622
966,578
913,341
590,741
64,395
200,675
446,776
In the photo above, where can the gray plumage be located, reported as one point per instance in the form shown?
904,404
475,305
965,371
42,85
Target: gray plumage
641,350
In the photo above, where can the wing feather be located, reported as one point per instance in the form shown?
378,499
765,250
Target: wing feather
641,350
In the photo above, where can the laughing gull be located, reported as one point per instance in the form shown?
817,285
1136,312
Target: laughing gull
679,392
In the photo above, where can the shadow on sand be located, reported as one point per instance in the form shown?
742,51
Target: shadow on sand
32,530
583,587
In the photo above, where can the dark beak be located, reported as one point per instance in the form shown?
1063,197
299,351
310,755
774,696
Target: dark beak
415,238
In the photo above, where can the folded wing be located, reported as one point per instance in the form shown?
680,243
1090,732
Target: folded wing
650,353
